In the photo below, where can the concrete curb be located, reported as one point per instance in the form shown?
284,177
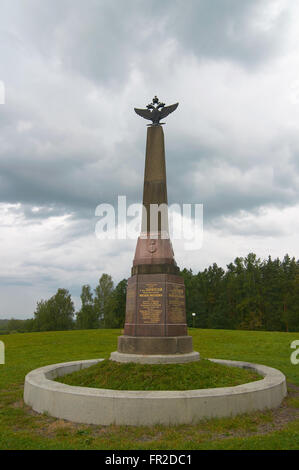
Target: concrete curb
155,358
104,407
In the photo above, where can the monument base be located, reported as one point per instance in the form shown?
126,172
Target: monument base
152,345
155,358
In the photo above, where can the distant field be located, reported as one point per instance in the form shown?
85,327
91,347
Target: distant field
21,428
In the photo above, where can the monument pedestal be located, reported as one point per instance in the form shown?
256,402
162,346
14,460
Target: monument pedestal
154,345
155,328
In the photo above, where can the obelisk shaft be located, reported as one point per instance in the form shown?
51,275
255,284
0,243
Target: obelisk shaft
155,186
154,253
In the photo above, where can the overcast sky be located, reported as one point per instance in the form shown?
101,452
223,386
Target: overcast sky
73,71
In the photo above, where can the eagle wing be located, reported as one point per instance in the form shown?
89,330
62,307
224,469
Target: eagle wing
145,113
167,110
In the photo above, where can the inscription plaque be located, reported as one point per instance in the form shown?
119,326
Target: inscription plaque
150,306
176,303
131,303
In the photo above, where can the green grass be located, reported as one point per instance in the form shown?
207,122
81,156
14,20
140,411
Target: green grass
23,429
202,374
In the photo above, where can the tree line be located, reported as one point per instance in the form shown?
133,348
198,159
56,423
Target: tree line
250,294
103,307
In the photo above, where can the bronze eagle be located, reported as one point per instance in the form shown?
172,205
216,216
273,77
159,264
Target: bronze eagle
156,111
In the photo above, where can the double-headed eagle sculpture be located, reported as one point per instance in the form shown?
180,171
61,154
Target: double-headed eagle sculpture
156,111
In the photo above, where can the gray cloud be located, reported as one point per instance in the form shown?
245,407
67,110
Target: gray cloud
102,40
228,29
49,163
69,138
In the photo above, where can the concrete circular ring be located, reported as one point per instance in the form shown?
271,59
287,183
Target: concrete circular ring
147,408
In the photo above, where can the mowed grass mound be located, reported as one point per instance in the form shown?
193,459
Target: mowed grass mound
194,375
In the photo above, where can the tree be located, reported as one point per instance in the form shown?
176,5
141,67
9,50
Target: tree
191,290
216,300
116,311
103,293
56,313
272,299
290,293
87,317
249,306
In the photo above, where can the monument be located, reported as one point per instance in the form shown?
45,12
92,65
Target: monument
155,323
155,332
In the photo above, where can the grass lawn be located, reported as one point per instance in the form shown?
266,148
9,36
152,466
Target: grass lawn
191,376
21,428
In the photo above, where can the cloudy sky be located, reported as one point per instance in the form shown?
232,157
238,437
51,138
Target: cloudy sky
73,70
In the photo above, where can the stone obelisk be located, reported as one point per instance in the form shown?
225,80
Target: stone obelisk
155,325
